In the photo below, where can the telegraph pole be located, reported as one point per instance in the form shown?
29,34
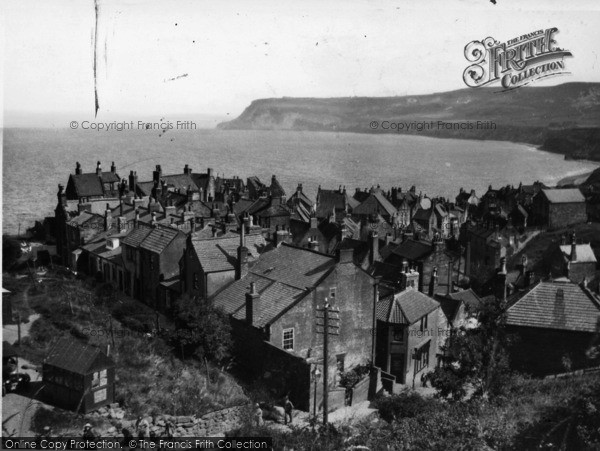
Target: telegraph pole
329,322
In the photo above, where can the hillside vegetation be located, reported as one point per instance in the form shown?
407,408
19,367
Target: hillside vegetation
563,119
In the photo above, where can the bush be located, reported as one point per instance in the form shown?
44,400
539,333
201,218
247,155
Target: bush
404,405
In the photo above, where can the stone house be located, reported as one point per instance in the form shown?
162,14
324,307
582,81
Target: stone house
93,185
555,323
277,316
556,208
407,334
209,264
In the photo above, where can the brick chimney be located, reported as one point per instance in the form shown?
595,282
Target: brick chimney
433,282
78,169
187,170
122,224
523,264
408,277
252,304
113,168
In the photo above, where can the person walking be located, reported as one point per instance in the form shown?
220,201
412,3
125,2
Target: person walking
288,409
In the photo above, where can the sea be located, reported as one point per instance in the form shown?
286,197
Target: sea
35,161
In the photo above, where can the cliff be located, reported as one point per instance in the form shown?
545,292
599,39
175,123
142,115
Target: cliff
563,119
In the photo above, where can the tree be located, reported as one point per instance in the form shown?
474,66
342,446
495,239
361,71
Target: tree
11,252
201,329
475,357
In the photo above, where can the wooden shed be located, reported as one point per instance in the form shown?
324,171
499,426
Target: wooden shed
78,376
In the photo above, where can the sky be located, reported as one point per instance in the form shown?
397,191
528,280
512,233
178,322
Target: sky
211,58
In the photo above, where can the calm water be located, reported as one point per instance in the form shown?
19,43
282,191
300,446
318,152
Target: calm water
35,161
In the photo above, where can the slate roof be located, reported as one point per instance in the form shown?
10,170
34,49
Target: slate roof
293,266
276,188
159,238
451,302
74,356
284,275
174,181
89,184
561,196
585,254
275,298
413,250
407,307
328,200
542,307
220,254
136,236
375,203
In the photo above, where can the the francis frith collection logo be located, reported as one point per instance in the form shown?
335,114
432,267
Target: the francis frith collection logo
516,62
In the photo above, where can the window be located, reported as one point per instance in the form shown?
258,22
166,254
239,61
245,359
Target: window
288,339
423,325
332,293
398,334
421,358
99,395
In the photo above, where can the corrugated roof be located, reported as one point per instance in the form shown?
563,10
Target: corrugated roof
556,305
71,355
559,196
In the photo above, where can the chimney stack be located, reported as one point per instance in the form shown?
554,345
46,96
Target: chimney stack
113,168
187,170
78,168
132,181
433,282
573,257
252,304
374,255
98,169
193,224
107,218
501,288
157,175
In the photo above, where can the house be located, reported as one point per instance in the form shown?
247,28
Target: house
458,309
485,245
375,204
424,256
78,376
93,185
274,309
132,261
335,204
159,255
209,264
556,208
203,184
574,261
555,323
407,335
